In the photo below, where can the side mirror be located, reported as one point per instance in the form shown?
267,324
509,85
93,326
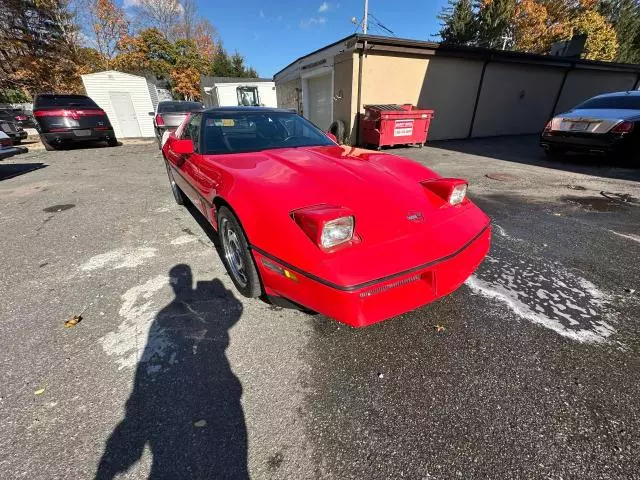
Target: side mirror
182,146
332,137
151,114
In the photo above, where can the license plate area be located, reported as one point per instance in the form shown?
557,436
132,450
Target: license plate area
578,126
82,133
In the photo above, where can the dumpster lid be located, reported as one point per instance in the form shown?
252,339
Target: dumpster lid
387,107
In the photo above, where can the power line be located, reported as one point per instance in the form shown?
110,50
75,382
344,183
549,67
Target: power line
379,23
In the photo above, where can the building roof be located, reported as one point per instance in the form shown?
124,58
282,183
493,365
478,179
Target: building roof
210,81
420,47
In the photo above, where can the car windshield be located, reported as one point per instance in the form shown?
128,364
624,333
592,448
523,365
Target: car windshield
178,107
629,102
45,101
237,132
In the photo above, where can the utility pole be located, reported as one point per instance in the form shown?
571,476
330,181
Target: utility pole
366,17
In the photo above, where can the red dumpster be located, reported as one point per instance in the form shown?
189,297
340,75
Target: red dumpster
383,125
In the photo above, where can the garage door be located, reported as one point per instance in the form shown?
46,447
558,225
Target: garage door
319,101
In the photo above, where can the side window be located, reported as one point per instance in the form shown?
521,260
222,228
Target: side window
192,131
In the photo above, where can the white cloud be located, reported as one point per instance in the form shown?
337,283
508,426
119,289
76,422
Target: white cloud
323,7
309,22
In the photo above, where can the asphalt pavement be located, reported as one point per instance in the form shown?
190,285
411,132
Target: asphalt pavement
531,370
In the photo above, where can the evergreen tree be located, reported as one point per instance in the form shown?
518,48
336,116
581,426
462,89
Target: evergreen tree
221,66
237,65
624,15
494,22
458,23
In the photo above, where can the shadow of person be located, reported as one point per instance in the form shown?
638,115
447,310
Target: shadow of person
185,404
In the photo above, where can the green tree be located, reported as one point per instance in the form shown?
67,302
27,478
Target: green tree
147,52
494,23
237,65
624,15
458,23
221,66
38,46
187,55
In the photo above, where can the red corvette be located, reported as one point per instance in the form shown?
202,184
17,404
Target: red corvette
357,235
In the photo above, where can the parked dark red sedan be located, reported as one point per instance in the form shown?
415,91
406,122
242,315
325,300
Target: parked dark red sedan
357,235
64,119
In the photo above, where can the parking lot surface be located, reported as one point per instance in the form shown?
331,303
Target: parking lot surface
530,370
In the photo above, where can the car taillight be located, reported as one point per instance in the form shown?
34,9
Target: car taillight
21,118
6,142
623,127
451,190
75,114
159,120
548,126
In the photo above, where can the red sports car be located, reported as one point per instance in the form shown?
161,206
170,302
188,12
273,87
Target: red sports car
357,235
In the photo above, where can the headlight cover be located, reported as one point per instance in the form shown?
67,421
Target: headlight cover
458,194
337,231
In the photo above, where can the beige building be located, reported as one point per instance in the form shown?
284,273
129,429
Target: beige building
475,92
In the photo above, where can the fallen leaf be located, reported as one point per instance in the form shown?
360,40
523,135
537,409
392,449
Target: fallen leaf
40,391
200,424
72,322
439,328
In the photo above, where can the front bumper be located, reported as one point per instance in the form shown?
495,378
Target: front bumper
67,136
376,301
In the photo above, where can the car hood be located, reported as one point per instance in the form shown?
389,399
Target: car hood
383,191
600,120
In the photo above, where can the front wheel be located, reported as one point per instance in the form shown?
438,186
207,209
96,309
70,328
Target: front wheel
177,193
236,255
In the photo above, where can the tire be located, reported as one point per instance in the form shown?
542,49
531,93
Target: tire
112,142
236,255
175,189
555,153
47,146
338,129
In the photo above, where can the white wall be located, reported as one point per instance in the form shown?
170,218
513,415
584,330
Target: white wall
98,85
227,94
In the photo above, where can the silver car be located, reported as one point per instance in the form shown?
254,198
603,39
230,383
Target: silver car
170,114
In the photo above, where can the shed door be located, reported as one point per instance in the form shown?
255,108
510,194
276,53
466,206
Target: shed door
319,101
125,113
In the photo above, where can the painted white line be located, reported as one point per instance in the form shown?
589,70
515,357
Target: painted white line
629,236
183,239
138,334
119,258
545,293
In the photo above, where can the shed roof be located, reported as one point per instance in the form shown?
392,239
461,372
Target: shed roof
210,81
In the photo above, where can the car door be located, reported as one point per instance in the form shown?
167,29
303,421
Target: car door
187,178
199,167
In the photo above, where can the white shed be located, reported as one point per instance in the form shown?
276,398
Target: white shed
233,92
127,99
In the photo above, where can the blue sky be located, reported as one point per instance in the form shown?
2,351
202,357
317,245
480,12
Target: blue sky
272,34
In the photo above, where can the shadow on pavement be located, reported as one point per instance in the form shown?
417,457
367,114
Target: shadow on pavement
10,170
185,404
524,149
